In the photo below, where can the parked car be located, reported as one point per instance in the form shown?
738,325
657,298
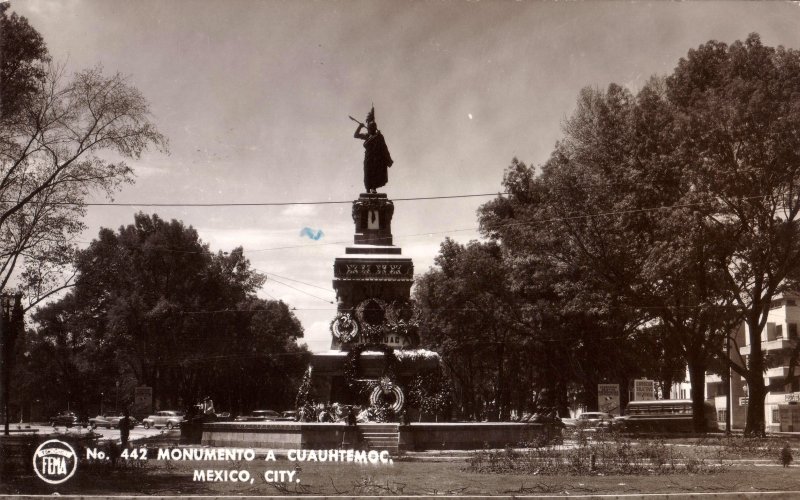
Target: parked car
168,419
67,419
260,416
289,416
620,422
570,422
109,421
595,420
548,419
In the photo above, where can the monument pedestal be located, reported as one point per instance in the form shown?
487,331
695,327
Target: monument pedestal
373,288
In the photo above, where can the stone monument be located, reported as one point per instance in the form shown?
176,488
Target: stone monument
375,335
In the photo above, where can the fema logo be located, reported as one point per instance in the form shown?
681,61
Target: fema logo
55,461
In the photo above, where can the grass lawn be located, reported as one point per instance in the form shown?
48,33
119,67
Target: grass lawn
402,477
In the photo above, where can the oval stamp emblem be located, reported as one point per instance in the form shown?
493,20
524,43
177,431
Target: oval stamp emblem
55,461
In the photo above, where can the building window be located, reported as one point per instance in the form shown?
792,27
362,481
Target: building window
791,302
722,415
778,331
776,416
792,330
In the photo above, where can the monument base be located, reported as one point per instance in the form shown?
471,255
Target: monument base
328,436
328,380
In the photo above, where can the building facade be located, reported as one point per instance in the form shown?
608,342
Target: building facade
779,338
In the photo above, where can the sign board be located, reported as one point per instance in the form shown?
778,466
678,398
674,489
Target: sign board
743,401
608,398
142,401
644,390
792,397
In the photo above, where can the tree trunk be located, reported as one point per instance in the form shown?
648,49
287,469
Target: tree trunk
666,385
697,377
624,394
755,407
755,382
500,387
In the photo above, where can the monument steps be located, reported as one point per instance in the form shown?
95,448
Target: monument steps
381,437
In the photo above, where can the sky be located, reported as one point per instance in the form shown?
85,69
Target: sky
254,96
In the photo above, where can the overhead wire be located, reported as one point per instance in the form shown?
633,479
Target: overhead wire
261,204
430,233
475,228
302,291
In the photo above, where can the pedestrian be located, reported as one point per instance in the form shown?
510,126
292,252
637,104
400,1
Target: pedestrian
786,454
125,428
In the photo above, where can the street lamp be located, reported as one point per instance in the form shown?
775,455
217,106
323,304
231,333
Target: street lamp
101,404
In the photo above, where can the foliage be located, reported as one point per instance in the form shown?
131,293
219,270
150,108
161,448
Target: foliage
56,135
431,392
469,314
302,401
601,457
55,131
736,107
24,52
153,306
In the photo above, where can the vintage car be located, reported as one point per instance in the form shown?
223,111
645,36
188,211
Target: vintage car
289,416
595,420
109,421
168,419
67,419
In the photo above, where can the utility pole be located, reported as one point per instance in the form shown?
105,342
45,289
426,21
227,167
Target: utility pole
4,360
7,335
728,417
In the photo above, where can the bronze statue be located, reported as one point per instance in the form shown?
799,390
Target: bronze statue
376,155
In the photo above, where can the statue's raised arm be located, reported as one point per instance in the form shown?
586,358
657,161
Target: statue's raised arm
376,155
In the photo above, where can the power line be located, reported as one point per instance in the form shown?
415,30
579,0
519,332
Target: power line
301,291
447,231
298,281
262,204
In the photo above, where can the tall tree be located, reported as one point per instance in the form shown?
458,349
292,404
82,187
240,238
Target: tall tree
594,216
740,136
161,307
469,315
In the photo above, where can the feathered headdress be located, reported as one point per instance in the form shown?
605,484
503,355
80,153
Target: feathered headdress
371,115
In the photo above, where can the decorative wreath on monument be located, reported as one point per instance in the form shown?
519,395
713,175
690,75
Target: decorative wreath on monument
351,372
385,389
344,327
372,315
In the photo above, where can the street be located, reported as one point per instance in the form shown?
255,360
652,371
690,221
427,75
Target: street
137,432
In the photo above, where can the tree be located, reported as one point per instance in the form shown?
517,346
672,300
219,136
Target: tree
611,250
22,54
151,303
737,110
469,316
50,163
